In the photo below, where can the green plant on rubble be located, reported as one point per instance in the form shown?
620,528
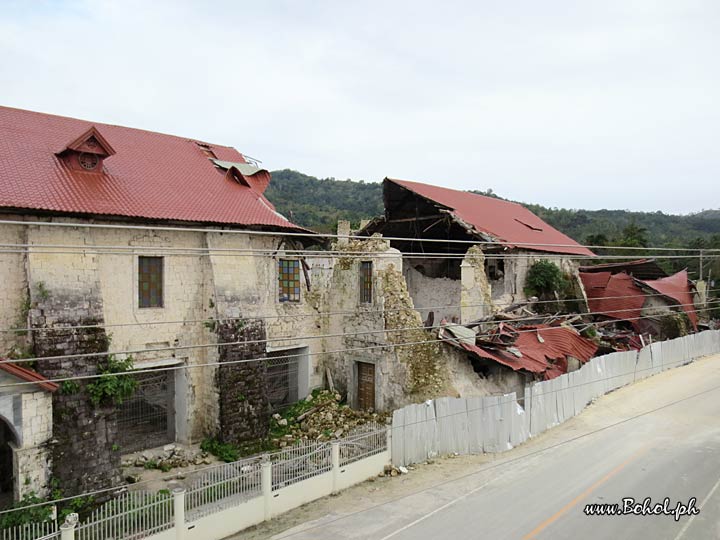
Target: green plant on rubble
112,387
224,451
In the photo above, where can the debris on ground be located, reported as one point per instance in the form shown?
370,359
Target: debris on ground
321,416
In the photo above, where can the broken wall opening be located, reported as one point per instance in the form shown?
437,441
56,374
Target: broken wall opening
435,287
147,418
287,376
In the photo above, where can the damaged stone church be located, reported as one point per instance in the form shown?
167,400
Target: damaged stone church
124,247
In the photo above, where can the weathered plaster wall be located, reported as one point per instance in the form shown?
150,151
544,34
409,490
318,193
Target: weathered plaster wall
13,289
430,293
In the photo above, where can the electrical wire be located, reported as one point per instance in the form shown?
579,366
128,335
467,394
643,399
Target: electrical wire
362,311
246,360
391,428
302,338
311,234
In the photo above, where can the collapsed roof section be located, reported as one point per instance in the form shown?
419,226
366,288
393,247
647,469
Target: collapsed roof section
621,296
640,269
414,211
541,349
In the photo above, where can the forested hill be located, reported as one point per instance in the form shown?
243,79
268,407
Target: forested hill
319,203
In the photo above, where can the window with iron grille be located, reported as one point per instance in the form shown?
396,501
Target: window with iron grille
150,282
289,280
366,274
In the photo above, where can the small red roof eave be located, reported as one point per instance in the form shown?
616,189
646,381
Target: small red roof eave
28,375
91,132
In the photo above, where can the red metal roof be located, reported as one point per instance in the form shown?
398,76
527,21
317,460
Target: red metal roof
27,375
614,295
547,357
678,288
151,175
511,223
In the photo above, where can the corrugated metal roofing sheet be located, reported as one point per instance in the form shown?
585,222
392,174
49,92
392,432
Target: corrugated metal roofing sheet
511,223
544,350
151,175
678,288
613,295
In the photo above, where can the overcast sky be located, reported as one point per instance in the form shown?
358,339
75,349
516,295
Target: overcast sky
577,104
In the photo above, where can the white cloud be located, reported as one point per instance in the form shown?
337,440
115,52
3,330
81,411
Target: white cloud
570,104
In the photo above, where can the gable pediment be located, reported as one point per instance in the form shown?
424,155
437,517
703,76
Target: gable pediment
90,142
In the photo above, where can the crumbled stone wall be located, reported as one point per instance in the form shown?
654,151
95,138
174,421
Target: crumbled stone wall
476,297
242,386
64,292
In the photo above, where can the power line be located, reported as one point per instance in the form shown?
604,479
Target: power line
181,252
311,234
305,315
285,338
391,428
249,360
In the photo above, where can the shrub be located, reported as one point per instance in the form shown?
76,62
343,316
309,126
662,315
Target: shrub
544,278
111,387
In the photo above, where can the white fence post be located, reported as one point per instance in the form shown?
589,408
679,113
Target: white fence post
179,512
266,482
335,457
67,529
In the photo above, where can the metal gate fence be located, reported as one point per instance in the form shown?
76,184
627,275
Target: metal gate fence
146,419
282,379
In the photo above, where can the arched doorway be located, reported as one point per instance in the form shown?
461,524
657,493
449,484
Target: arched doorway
7,479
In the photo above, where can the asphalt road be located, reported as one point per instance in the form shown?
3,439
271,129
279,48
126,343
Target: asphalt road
658,438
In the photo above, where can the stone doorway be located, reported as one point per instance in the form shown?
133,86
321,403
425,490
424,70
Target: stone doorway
366,385
7,477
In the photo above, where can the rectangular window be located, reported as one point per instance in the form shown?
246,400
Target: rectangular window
150,282
289,280
366,271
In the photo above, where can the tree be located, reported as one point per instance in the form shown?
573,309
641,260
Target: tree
634,236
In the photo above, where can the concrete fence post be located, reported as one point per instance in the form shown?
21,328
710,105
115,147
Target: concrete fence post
179,511
335,455
266,484
67,529
388,439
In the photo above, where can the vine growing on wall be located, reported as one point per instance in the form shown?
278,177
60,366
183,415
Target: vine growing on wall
110,387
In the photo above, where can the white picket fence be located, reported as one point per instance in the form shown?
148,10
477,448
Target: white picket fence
498,423
44,530
136,514
230,497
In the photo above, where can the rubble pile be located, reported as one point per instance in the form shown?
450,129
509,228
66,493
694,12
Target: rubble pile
170,457
320,417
